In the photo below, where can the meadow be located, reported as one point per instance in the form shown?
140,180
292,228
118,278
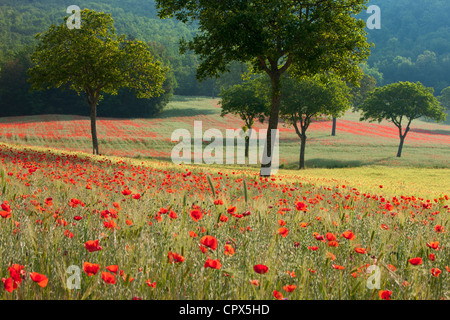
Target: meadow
139,227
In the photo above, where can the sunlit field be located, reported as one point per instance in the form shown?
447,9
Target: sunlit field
356,144
135,225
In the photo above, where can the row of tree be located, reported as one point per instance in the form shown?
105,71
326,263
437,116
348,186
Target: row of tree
265,35
310,98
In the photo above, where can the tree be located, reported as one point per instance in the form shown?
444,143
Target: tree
359,93
245,101
341,97
444,98
308,36
307,98
94,60
402,102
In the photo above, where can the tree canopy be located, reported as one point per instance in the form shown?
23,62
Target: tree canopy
310,37
444,98
401,103
94,60
309,97
249,102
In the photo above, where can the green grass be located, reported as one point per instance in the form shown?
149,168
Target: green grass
141,249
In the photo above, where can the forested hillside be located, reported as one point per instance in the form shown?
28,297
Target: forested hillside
413,43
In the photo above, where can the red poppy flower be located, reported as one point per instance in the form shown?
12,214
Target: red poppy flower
126,192
433,245
175,257
415,261
260,268
333,244
385,294
290,288
331,256
196,214
108,277
436,272
231,210
229,250
75,202
92,245
40,279
192,234
283,232
301,206
348,235
113,268
254,282
218,202
91,268
5,214
136,196
16,272
432,257
209,241
360,250
318,236
9,284
277,295
172,214
338,267
330,236
151,284
214,264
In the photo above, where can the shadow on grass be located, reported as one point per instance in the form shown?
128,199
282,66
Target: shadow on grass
441,132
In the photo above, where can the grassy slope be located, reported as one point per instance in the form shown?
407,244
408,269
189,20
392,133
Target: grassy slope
362,155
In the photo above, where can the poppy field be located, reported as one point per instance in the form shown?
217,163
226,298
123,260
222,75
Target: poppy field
359,223
153,230
357,144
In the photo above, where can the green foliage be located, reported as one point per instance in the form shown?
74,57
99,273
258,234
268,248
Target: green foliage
247,101
359,93
307,98
267,32
402,101
16,99
409,29
94,60
413,43
444,98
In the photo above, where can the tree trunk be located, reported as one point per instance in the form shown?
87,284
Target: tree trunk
273,123
94,128
333,130
400,147
301,164
247,143
402,140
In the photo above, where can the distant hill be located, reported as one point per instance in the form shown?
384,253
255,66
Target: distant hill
413,43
